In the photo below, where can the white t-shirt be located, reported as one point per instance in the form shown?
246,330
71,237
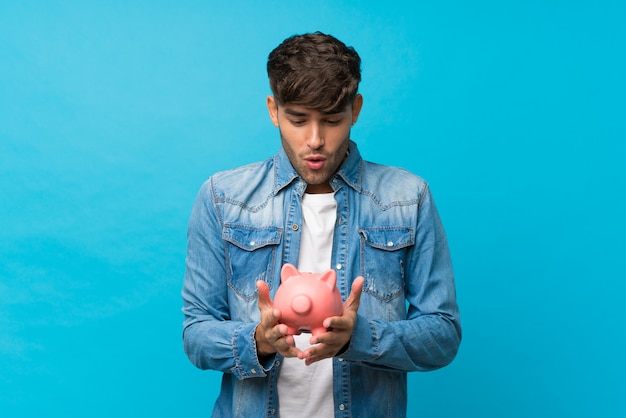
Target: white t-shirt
307,391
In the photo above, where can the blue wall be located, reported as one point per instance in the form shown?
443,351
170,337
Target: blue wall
112,113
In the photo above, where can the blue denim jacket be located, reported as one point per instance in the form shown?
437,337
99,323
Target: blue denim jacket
246,224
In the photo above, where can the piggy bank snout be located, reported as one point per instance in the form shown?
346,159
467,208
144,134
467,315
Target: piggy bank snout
301,304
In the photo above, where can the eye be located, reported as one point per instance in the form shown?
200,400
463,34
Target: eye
333,121
297,122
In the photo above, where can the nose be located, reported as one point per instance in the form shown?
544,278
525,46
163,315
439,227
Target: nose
302,304
315,139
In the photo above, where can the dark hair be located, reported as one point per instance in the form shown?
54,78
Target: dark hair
314,70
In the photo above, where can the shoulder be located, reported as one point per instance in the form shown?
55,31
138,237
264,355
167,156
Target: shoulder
239,184
242,174
389,184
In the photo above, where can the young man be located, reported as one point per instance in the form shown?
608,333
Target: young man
317,204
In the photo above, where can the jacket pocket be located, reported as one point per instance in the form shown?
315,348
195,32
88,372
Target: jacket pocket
251,254
383,251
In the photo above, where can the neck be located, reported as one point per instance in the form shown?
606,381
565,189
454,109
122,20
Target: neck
319,188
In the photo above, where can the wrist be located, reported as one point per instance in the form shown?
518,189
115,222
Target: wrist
343,349
263,349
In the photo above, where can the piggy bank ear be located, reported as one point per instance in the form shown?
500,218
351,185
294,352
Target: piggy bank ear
329,277
287,272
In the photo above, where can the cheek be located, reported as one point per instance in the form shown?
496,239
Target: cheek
288,145
341,134
341,141
292,136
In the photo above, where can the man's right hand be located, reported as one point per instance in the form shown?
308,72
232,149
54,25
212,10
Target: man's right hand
272,337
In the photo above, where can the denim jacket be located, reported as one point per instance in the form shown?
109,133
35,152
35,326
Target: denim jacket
246,223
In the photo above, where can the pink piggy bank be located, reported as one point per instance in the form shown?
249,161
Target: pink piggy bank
305,300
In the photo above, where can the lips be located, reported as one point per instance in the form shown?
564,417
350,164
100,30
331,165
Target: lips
315,162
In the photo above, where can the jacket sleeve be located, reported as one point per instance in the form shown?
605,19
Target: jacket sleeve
430,335
211,339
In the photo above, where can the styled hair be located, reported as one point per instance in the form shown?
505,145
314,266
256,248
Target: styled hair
314,70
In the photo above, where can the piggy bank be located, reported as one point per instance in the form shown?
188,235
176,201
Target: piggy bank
305,300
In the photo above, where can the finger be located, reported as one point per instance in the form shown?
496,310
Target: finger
329,339
264,294
291,352
312,355
351,305
286,346
269,315
335,324
355,293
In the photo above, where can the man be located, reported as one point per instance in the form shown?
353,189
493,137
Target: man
317,204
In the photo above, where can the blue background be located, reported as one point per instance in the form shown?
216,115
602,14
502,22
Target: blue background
112,114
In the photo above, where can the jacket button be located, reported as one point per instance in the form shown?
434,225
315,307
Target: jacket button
342,407
294,227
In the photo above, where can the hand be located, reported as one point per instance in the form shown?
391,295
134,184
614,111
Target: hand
272,337
339,329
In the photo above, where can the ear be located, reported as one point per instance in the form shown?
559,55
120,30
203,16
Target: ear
329,277
272,108
356,107
287,272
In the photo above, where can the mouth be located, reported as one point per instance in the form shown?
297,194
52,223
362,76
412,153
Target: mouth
315,162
